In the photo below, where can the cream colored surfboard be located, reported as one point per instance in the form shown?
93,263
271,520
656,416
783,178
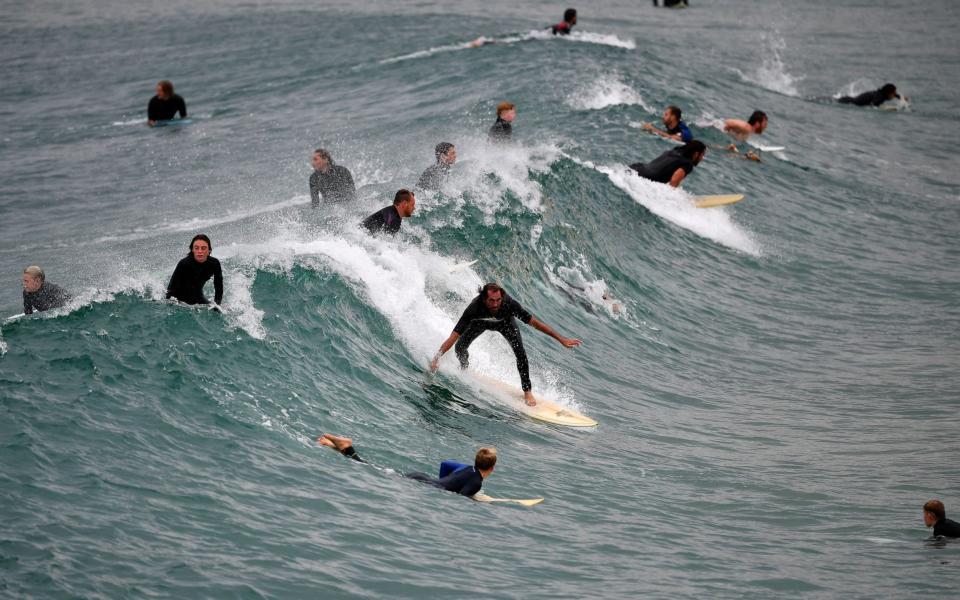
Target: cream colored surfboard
711,201
481,497
545,410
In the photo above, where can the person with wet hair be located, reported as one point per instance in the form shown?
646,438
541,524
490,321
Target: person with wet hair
494,310
676,129
566,25
388,219
39,294
741,130
502,130
193,271
935,515
674,165
434,176
873,98
165,105
332,182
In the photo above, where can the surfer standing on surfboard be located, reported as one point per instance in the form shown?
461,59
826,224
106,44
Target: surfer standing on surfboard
494,310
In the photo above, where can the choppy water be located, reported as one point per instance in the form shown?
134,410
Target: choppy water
776,401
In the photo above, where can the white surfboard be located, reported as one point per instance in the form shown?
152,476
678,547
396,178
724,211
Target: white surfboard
772,148
481,497
544,410
13,318
461,266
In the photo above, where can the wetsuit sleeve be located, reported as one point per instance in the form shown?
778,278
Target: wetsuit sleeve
472,487
349,187
314,190
351,453
175,280
217,283
519,311
182,108
468,315
152,110
27,307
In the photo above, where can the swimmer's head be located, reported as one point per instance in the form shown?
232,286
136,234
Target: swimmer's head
671,116
164,89
446,153
933,511
485,460
570,16
889,91
695,150
200,247
321,159
33,278
507,111
758,120
405,202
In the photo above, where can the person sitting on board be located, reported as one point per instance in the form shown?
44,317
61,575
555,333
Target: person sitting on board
388,219
333,182
741,130
494,310
165,105
674,165
935,515
564,26
39,294
502,130
676,130
434,176
193,271
454,477
874,98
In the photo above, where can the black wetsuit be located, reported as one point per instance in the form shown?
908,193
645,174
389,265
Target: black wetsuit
561,28
477,318
386,219
874,98
336,185
662,168
501,131
946,527
164,110
47,297
465,482
186,284
434,176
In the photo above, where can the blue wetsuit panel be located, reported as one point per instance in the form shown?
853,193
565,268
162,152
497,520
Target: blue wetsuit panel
450,466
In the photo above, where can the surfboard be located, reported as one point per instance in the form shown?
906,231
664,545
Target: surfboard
544,410
720,200
13,318
173,122
481,497
771,148
462,266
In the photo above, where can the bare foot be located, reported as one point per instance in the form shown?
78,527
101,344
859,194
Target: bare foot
336,442
529,399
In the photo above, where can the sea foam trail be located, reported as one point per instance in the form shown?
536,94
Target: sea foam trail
604,39
676,206
606,91
772,73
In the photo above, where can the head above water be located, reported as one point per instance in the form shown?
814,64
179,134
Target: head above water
506,111
200,248
570,16
694,150
321,159
33,278
446,153
933,511
492,295
758,120
485,460
405,202
671,116
164,89
889,91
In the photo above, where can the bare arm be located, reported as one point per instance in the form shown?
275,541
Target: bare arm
678,176
649,127
446,345
541,326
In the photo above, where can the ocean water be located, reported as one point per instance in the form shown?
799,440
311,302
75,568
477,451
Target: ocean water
776,399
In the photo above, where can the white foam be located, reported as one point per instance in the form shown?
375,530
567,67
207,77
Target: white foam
139,121
772,73
676,206
606,91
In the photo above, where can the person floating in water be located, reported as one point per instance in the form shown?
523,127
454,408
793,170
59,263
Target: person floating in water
935,515
193,271
674,165
333,182
874,98
165,105
464,481
434,176
672,3
676,130
502,130
388,219
564,26
39,294
494,310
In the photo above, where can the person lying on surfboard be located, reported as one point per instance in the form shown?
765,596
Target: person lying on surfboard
741,130
494,310
874,98
676,129
564,27
464,481
674,165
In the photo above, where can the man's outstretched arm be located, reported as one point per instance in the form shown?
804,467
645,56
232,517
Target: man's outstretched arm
541,326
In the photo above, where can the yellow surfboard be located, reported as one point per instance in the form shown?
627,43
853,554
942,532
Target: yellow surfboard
481,497
545,410
711,201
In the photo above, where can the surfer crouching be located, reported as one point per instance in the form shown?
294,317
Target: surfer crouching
457,478
494,310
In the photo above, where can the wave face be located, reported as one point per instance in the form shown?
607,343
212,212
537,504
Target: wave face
775,381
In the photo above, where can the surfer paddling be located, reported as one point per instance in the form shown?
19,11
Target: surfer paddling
741,130
676,129
935,515
873,98
39,294
494,310
465,481
564,27
674,165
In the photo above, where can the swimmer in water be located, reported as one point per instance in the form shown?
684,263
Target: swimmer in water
874,98
502,130
388,219
39,294
165,105
465,481
676,129
193,271
434,176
